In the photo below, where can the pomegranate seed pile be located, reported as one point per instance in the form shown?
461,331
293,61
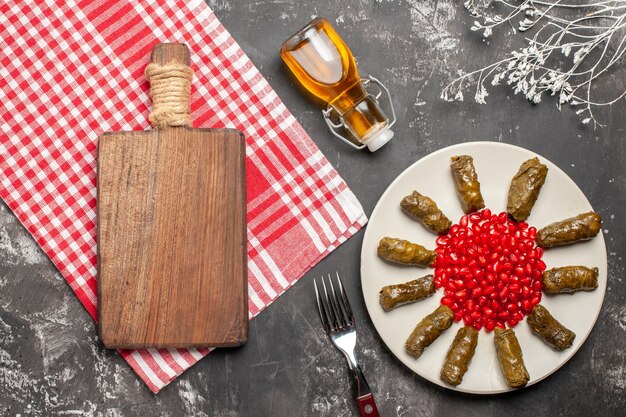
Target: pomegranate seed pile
490,269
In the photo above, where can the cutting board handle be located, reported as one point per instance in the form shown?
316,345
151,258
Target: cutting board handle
164,53
170,77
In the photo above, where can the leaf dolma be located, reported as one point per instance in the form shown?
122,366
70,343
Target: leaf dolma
511,358
392,296
524,189
459,355
572,230
428,330
466,183
549,329
404,252
425,210
569,279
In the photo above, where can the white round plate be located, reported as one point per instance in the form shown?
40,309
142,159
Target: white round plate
496,163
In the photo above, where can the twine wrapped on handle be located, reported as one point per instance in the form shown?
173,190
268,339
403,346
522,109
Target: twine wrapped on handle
170,88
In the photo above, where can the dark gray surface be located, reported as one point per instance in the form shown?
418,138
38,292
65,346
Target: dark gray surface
52,364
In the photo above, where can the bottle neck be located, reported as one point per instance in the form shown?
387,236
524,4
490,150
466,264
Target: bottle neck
360,113
349,98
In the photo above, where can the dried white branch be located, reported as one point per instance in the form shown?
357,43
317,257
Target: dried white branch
573,45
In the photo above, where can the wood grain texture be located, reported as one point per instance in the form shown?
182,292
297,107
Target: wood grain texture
172,246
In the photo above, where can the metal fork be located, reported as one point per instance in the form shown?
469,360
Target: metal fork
338,321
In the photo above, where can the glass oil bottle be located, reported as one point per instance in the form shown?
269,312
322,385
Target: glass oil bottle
325,67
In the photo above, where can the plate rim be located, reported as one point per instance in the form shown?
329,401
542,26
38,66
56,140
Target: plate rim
362,254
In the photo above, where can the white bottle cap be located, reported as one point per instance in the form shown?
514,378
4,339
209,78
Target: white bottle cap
377,140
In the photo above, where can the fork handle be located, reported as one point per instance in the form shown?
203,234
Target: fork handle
364,397
367,405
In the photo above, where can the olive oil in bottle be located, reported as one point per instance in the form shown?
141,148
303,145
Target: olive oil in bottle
325,67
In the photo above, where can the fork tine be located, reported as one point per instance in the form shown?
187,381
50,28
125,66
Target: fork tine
321,308
342,322
341,309
346,302
334,317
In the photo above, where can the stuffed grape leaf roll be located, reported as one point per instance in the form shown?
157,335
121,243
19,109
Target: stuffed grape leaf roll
405,252
572,230
510,358
569,279
459,355
425,210
549,329
524,189
428,330
466,183
392,296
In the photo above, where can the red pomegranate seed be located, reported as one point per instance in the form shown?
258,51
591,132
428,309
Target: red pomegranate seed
464,220
461,294
504,293
477,293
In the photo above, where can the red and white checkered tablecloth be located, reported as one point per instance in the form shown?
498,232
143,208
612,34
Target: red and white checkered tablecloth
71,70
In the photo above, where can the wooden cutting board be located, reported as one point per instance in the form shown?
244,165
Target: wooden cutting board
172,247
